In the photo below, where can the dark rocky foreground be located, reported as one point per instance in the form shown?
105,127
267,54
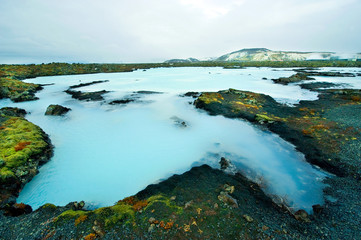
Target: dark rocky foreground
202,203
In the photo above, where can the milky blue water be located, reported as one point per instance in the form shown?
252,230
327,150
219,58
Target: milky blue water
344,82
104,152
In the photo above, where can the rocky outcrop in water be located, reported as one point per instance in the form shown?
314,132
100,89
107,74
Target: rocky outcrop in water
191,94
87,96
314,86
17,90
294,78
324,73
88,84
122,101
304,74
315,127
56,110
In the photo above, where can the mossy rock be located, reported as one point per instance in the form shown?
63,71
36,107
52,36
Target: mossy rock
12,112
23,148
70,214
17,90
48,206
261,118
117,214
162,206
56,110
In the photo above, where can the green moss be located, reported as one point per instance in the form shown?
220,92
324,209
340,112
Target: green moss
20,141
208,98
48,205
162,203
118,213
264,118
70,214
17,90
6,174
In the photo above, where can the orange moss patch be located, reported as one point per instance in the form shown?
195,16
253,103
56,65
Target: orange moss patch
307,132
80,219
307,110
161,224
128,200
91,236
19,205
356,98
320,127
136,204
21,145
218,95
168,225
208,98
139,205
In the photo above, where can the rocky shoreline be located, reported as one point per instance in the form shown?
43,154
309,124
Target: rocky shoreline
24,148
327,131
311,125
206,203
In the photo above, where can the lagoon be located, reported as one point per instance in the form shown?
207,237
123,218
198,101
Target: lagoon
105,152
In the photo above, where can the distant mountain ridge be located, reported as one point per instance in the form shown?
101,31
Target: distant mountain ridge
264,54
177,60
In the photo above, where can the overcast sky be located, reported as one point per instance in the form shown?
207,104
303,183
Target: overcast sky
35,31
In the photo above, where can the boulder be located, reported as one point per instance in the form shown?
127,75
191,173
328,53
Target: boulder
78,205
317,209
248,218
56,110
224,163
227,200
17,209
302,215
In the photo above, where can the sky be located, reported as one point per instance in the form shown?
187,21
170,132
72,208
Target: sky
122,31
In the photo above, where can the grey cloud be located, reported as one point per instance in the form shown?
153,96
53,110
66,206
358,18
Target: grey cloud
146,31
